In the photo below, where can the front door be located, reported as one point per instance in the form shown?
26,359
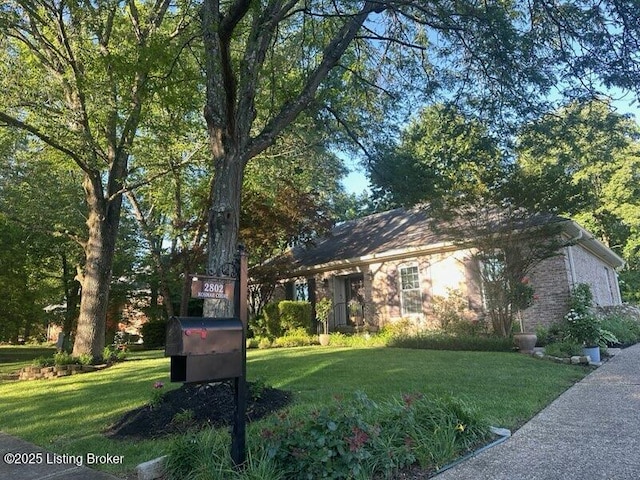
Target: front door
354,296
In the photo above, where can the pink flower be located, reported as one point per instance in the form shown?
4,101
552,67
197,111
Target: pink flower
358,440
158,385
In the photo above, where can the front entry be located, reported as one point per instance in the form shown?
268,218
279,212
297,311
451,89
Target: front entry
354,296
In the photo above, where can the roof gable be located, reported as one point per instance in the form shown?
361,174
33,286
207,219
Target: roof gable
401,230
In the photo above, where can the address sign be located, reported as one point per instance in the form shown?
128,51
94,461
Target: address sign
211,287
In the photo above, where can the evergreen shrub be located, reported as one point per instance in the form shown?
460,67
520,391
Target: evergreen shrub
154,334
271,314
294,315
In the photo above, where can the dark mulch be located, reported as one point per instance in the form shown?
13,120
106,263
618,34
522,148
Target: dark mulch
206,405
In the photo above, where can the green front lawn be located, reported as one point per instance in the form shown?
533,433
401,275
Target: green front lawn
67,415
13,358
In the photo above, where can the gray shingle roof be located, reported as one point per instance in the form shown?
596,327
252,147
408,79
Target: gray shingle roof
381,232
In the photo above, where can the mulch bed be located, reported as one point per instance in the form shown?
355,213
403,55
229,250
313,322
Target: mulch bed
207,405
211,405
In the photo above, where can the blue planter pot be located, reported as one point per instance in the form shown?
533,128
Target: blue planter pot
593,352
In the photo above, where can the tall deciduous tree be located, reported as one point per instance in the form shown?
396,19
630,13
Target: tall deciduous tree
42,211
494,55
76,76
584,161
442,158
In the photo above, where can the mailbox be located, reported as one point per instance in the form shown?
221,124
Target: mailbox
205,349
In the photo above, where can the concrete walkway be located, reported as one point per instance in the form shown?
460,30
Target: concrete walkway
590,432
20,460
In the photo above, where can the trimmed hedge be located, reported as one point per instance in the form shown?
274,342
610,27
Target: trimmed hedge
154,334
272,319
287,315
294,315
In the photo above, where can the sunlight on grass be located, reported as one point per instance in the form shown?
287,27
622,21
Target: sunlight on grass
69,414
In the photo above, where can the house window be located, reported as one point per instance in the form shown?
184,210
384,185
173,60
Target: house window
410,293
492,271
298,290
301,291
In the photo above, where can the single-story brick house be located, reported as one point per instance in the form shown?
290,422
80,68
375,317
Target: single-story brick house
391,265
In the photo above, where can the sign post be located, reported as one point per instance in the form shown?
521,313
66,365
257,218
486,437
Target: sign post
232,288
238,434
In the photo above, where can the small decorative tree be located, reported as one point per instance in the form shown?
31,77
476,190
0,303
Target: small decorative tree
323,310
507,244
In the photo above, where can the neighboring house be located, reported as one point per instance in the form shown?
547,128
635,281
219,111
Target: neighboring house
391,265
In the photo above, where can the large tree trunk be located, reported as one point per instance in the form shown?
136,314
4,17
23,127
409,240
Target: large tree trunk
103,222
230,109
224,221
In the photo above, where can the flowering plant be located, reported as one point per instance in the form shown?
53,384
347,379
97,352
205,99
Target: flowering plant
585,329
156,394
582,325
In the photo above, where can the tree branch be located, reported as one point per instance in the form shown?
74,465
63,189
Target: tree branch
56,232
352,135
152,178
331,55
261,36
14,122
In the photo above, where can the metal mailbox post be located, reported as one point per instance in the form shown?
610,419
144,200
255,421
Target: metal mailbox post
206,349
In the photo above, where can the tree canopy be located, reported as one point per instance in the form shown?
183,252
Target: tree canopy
584,161
442,158
103,82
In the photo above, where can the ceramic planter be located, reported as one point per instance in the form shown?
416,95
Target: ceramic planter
526,341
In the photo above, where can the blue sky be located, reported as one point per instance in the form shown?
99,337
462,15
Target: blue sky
356,181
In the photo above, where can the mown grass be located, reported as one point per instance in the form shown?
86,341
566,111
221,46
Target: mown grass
13,358
68,415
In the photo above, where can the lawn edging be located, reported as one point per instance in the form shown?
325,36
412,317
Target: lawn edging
575,359
39,373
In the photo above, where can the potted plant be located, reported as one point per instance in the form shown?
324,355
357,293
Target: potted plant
323,310
355,311
585,329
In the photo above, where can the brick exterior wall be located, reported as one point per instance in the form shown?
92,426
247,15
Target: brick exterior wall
591,270
437,274
552,281
554,278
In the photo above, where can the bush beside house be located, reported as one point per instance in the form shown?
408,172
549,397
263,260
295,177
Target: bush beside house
294,315
279,318
154,334
586,325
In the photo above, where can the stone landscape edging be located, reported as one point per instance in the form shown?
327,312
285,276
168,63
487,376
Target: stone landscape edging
55,371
